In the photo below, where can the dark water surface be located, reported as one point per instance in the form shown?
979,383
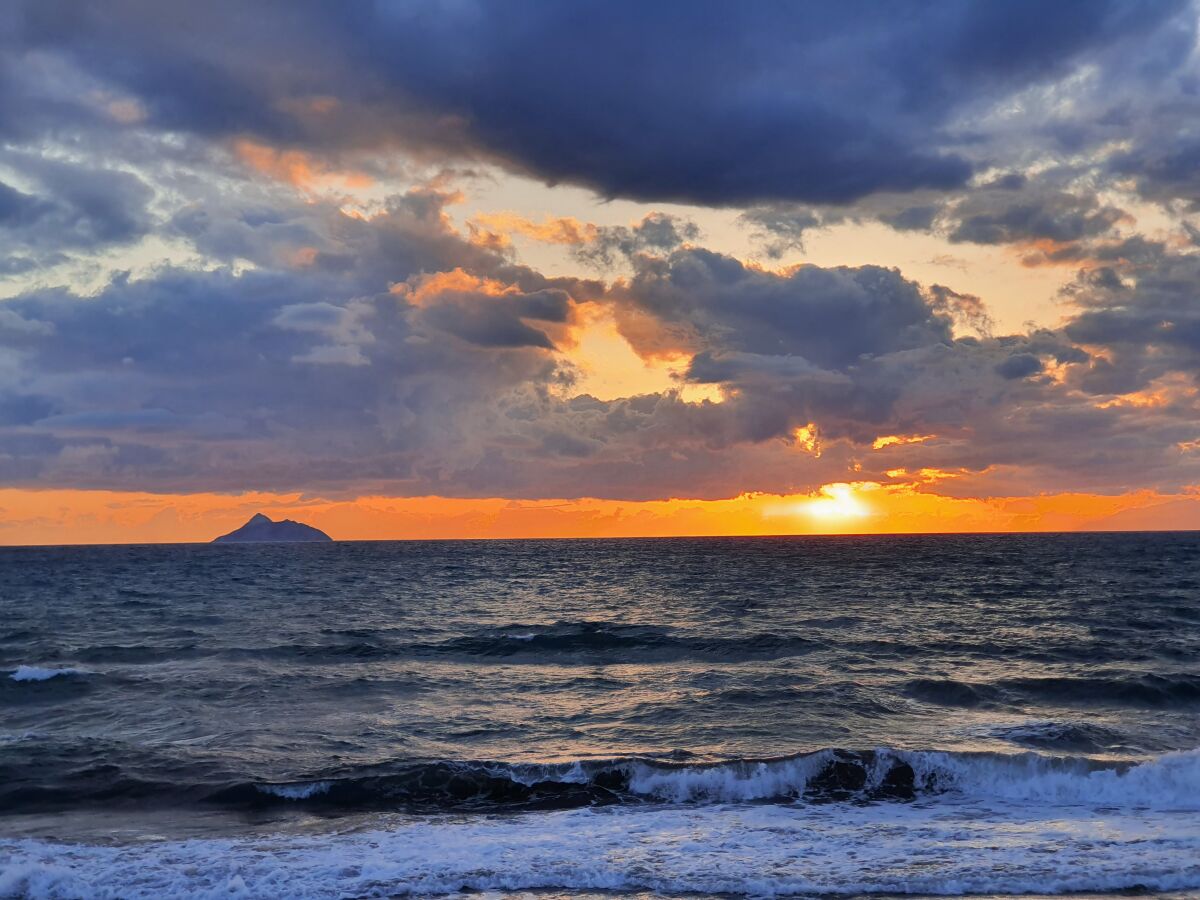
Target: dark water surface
923,715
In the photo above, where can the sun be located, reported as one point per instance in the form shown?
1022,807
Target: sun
835,501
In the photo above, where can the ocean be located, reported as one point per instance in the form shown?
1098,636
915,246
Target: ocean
812,716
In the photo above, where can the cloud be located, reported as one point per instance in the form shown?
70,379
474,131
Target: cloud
1054,215
654,234
728,105
1027,212
965,309
64,207
830,317
779,229
567,231
1144,316
301,339
1019,365
356,379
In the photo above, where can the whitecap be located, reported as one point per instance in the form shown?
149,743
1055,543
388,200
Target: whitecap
40,673
298,791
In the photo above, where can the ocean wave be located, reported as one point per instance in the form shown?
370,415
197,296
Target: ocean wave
716,850
1169,781
1123,689
63,780
43,673
518,642
1077,737
1147,689
948,692
302,791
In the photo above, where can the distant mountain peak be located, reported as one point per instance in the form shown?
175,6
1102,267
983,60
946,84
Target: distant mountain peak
261,529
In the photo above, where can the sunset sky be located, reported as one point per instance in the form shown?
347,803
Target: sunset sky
416,269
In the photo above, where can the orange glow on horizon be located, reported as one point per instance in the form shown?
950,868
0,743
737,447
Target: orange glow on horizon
105,517
833,504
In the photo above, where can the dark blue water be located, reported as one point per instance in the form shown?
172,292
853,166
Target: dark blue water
968,714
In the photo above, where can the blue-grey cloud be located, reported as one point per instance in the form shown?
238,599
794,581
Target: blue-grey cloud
830,317
301,378
655,233
317,350
68,208
1008,215
711,103
1019,365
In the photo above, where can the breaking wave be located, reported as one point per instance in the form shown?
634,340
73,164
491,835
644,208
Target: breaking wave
1170,781
1167,782
40,673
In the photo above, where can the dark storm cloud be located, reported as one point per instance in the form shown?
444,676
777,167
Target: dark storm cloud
386,351
713,103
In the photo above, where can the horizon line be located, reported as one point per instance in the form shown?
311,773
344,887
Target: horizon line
617,537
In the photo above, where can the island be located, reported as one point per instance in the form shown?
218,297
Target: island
261,530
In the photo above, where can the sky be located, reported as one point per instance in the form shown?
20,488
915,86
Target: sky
457,269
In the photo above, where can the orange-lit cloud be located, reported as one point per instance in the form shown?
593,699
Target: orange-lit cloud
425,289
807,439
608,367
564,230
924,475
65,517
297,168
889,440
1167,390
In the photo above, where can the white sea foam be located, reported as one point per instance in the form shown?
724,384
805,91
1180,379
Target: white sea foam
39,673
764,850
1170,781
298,791
730,782
1167,782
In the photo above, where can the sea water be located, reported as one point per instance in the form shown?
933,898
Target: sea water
842,716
